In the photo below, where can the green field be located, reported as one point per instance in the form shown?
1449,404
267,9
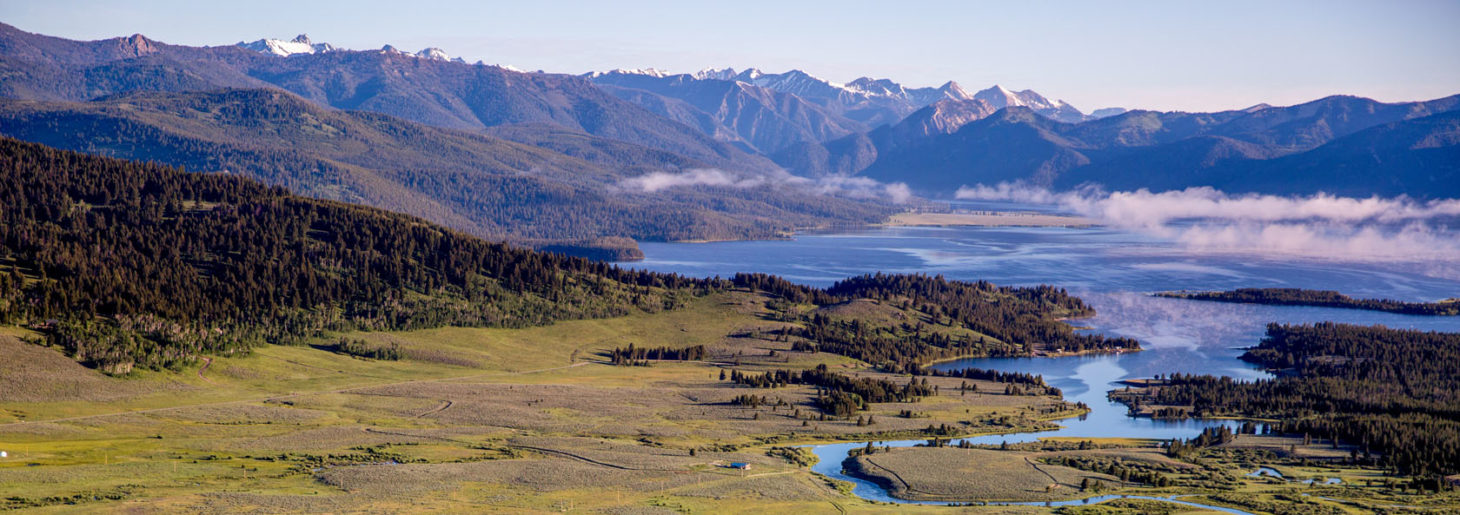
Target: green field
529,420
511,419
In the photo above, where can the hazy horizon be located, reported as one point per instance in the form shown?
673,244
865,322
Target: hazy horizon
1149,55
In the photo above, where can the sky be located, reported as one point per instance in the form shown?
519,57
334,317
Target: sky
1166,55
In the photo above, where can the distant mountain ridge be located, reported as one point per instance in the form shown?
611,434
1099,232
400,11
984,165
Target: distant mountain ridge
1389,149
787,115
871,101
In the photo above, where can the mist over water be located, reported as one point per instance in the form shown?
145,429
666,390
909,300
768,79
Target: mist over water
1112,269
1320,226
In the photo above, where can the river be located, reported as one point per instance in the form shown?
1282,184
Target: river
1114,271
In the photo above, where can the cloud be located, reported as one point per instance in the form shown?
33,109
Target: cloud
1209,221
851,187
898,192
657,181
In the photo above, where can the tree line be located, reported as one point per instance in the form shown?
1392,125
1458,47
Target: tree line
641,355
838,394
1321,298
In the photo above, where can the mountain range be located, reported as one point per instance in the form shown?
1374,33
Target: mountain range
770,112
1402,148
502,154
547,158
431,91
473,181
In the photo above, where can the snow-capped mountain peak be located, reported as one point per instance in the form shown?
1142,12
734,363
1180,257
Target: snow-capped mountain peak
795,82
713,74
652,72
877,87
299,45
998,97
749,75
953,90
649,72
433,53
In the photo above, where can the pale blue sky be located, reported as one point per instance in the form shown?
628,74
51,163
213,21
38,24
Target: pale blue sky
1164,54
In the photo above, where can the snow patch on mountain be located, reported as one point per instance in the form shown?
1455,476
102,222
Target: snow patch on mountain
299,45
713,74
863,90
433,53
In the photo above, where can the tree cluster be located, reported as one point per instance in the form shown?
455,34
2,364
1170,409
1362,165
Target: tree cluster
636,355
839,395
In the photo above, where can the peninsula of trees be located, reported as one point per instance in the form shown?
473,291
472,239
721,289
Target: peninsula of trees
1320,298
1389,393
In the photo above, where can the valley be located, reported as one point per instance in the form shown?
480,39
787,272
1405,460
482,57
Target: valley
532,419
299,276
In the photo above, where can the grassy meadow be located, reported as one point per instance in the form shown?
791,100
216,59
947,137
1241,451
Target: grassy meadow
531,420
468,419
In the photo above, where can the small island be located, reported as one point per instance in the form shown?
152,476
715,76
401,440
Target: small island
1320,298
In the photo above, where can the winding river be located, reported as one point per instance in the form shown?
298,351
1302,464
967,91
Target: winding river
1113,271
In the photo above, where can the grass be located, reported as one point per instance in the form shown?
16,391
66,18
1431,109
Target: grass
528,419
928,473
525,420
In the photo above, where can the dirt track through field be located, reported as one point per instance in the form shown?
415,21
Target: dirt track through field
1041,471
423,437
890,471
444,404
586,459
287,396
207,362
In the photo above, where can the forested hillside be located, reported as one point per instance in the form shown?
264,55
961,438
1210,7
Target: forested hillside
123,264
560,185
138,264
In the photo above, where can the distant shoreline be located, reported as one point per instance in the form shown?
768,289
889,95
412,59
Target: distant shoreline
913,219
987,219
